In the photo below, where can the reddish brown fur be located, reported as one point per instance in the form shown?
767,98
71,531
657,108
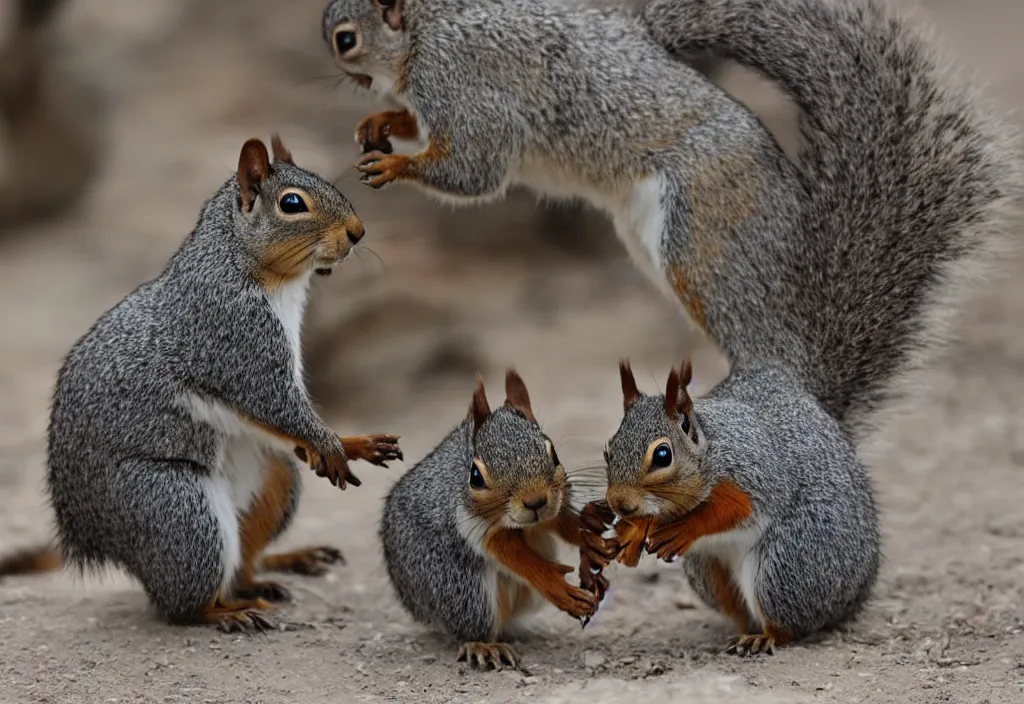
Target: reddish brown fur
630,392
263,517
727,595
726,508
281,153
479,409
31,561
253,168
511,549
516,395
681,285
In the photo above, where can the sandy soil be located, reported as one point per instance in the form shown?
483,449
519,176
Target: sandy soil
186,82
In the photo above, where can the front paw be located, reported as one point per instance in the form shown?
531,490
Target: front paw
375,449
380,168
334,467
668,544
575,601
632,537
373,132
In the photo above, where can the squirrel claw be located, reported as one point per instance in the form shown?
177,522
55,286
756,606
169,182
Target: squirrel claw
248,621
381,168
268,591
752,645
487,656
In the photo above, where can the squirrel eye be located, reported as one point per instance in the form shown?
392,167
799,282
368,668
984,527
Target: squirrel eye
476,479
386,3
345,42
292,203
662,456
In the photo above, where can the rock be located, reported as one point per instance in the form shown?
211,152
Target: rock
593,659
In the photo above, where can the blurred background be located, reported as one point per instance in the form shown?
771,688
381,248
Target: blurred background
118,119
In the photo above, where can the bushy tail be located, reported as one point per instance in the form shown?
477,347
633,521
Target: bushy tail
912,182
45,558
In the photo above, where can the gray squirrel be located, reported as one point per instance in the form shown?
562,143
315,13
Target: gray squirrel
469,532
178,416
826,282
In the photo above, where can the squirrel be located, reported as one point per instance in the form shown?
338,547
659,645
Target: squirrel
51,120
469,532
826,281
176,416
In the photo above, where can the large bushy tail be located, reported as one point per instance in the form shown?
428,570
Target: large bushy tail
912,181
45,558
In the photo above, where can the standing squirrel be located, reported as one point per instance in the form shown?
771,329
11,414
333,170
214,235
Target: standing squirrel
178,416
50,118
468,533
825,282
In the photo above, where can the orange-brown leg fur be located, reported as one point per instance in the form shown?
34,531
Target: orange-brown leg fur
238,615
258,527
726,508
510,548
728,596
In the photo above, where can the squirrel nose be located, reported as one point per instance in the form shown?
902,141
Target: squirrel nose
536,503
355,232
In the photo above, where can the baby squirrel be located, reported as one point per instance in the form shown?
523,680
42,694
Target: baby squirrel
825,282
468,533
177,417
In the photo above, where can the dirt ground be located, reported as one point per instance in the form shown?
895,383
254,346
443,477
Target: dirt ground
184,83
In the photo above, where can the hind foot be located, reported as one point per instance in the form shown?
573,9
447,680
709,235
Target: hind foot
243,616
311,562
752,645
487,656
266,590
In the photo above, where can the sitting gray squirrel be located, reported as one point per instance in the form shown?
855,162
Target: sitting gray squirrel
178,416
469,532
826,282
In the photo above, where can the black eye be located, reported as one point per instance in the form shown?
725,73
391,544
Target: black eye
662,456
292,203
386,3
345,42
686,424
476,479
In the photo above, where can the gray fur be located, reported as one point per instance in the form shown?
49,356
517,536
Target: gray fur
438,568
127,460
818,554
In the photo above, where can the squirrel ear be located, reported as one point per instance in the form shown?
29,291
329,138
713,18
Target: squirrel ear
672,395
253,168
393,14
281,152
630,394
685,403
479,409
516,395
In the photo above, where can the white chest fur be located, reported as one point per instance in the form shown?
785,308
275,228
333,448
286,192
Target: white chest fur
637,213
737,551
289,305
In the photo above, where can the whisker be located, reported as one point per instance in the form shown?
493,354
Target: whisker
379,259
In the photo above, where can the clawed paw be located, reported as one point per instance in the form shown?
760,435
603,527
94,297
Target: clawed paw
334,467
489,656
311,562
375,449
380,168
752,645
268,591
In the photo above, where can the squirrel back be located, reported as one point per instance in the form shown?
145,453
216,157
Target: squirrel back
909,182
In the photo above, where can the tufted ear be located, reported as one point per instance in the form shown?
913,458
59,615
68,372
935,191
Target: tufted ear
516,395
253,169
392,12
281,152
630,393
479,409
677,398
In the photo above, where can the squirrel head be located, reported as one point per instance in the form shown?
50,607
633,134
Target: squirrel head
654,457
293,220
368,40
515,479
